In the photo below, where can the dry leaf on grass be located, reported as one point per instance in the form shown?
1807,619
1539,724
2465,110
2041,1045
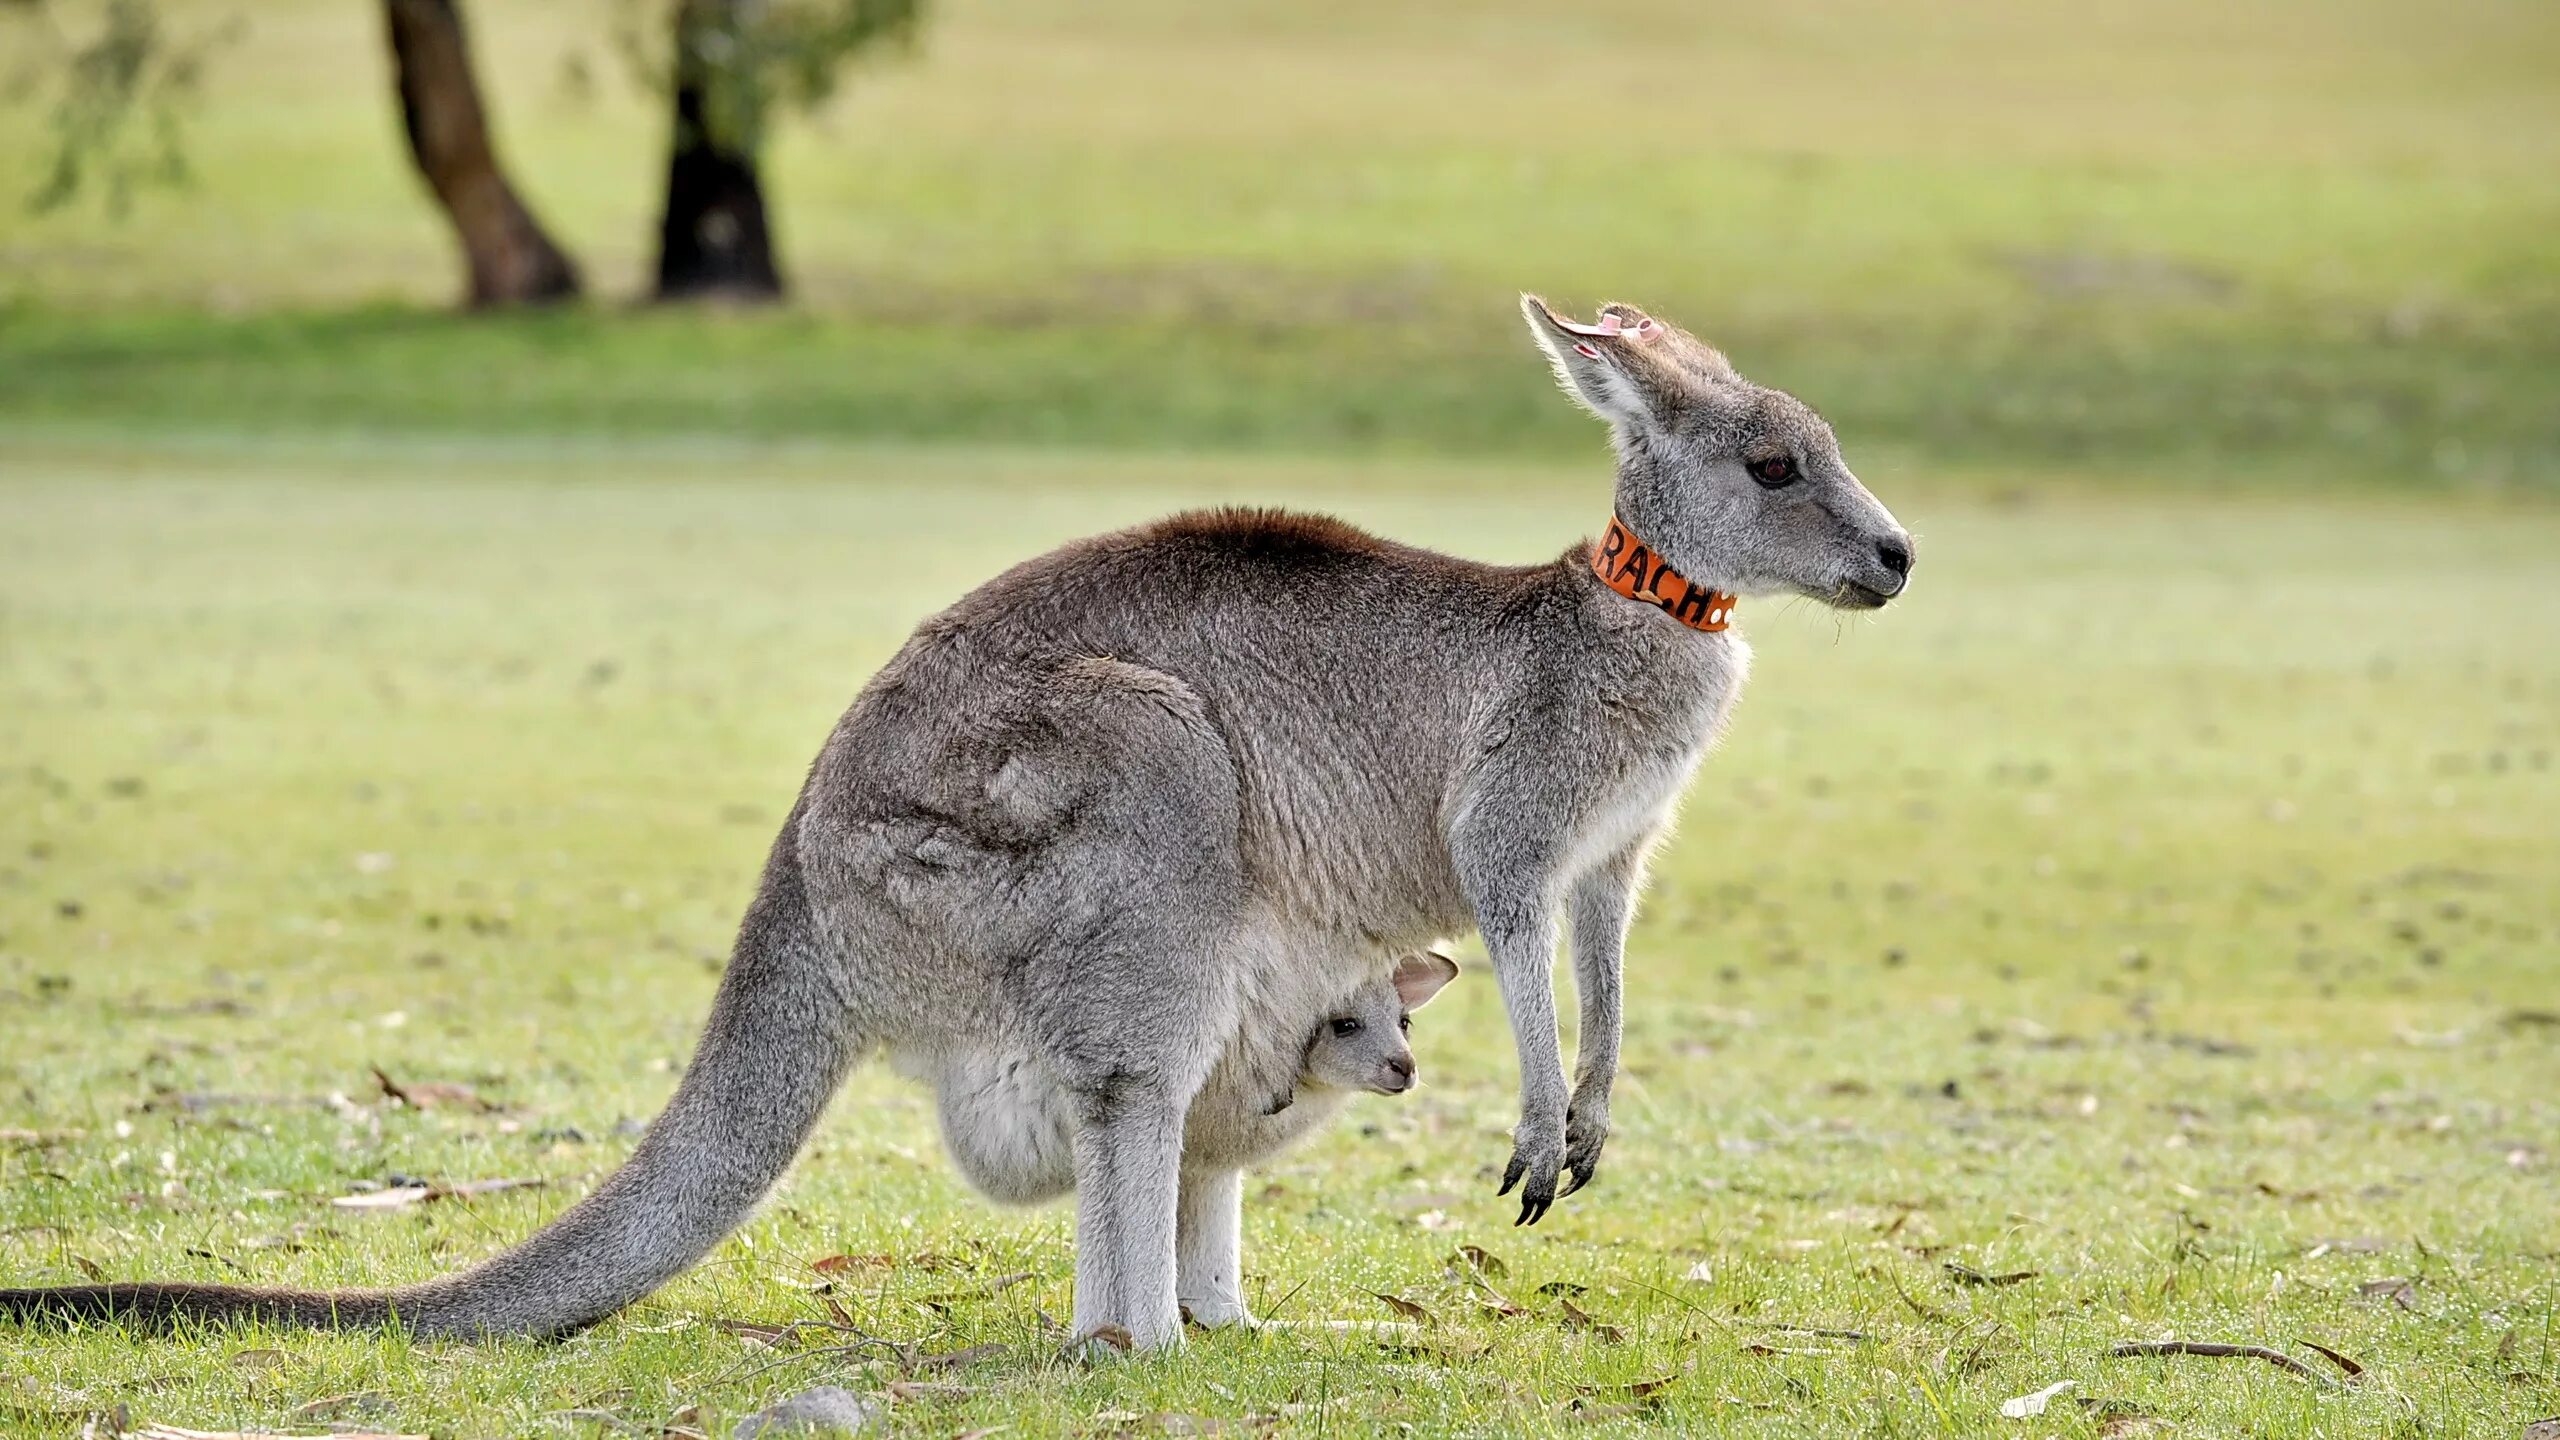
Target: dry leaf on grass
1477,1261
1967,1275
2021,1407
1406,1308
1636,1390
400,1197
330,1407
1576,1318
432,1094
758,1332
2400,1290
2211,1350
2542,1430
1494,1302
2352,1370
1818,1332
960,1359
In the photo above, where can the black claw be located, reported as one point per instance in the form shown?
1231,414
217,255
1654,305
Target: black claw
1511,1176
1534,1206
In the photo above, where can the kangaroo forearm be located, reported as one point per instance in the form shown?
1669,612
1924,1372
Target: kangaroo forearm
1521,941
1603,905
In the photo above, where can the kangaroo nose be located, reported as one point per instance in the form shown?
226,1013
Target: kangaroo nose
1896,555
1401,1067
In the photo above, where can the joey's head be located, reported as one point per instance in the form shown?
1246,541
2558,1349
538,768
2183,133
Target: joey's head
1738,486
1360,1044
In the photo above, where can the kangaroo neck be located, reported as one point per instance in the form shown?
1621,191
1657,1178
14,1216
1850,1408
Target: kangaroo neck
1635,570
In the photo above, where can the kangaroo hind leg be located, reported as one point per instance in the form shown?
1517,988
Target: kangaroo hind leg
1130,992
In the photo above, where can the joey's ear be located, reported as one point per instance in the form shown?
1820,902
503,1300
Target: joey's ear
1419,977
1623,369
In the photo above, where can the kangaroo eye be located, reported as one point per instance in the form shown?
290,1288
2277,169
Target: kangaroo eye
1775,471
1347,1025
1404,1022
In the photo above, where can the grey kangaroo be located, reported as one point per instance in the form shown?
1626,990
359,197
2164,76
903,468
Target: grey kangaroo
1130,794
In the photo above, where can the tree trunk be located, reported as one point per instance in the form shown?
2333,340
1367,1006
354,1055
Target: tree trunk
511,260
713,242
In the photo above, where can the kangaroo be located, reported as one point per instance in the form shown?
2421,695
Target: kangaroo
1010,1129
1128,794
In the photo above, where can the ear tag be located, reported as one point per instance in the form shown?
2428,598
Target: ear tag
1586,351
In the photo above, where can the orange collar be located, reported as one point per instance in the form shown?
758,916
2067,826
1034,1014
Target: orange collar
1625,565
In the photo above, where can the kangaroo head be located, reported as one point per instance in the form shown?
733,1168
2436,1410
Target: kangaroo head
1738,486
1360,1044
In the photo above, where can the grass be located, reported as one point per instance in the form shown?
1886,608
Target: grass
2274,240
2159,906
2161,901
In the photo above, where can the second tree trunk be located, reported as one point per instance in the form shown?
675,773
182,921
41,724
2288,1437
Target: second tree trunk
714,240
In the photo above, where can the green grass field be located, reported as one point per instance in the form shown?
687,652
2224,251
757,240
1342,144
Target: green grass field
2159,901
2156,914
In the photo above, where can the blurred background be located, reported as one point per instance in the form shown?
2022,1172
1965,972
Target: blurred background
2168,241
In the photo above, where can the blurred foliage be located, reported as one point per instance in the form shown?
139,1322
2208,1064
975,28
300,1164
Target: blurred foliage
752,57
120,101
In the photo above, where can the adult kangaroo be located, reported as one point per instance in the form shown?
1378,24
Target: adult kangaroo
1128,794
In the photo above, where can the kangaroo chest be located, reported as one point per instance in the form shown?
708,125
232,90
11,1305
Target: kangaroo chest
1654,725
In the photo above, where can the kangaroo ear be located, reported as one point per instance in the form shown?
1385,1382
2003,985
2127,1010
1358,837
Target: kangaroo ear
1629,369
1419,977
1626,367
1590,363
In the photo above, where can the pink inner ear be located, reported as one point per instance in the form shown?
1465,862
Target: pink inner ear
1588,352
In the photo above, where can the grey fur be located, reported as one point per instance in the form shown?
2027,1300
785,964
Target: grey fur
1129,794
1009,1125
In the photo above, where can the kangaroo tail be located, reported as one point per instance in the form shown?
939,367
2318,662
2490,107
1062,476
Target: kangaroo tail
779,1041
